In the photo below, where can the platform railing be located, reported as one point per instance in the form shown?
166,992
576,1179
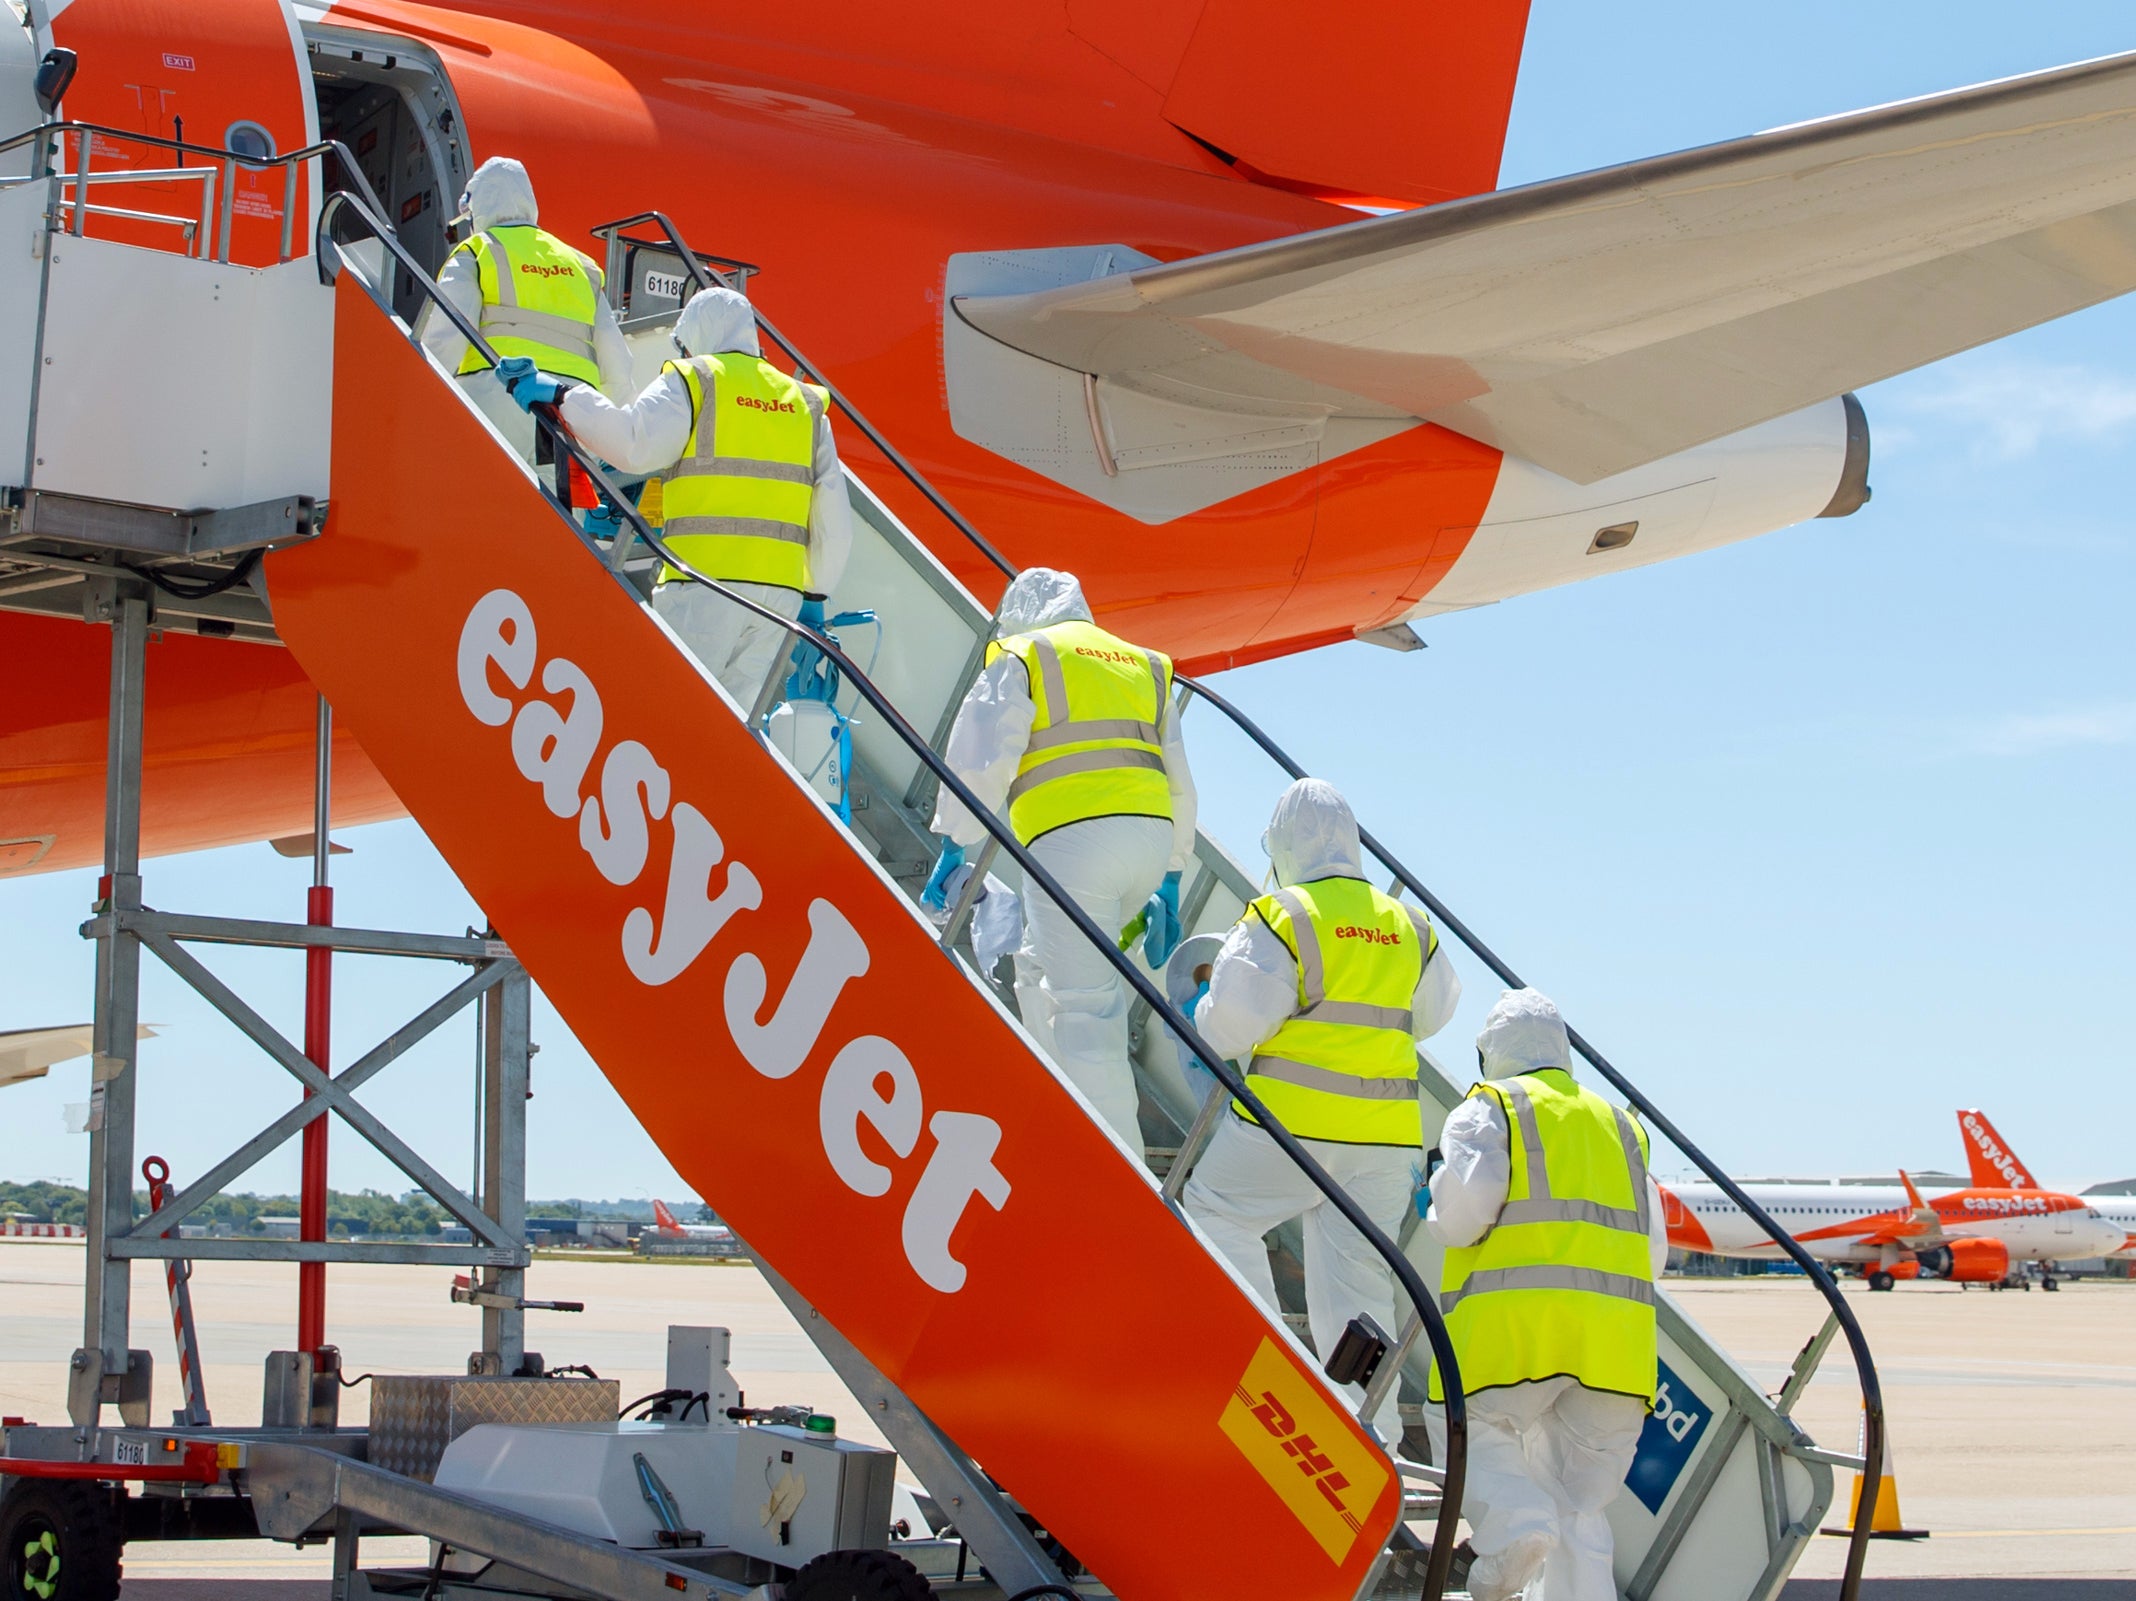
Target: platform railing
213,224
633,526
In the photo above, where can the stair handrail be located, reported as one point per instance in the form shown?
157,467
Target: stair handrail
87,133
1439,1563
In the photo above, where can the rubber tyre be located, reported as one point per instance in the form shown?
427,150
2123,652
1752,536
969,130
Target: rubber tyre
71,1526
1880,1280
2050,1284
856,1576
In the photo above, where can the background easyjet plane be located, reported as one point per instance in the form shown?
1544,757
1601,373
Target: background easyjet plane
1992,1163
1110,274
1971,1235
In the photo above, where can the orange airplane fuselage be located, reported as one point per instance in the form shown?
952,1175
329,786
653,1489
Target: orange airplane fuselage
850,153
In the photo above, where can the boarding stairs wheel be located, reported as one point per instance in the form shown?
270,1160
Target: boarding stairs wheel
59,1541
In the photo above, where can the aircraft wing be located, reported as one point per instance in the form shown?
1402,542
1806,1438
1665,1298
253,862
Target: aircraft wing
1598,322
27,1053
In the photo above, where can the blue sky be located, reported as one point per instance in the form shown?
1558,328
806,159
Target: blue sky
1820,837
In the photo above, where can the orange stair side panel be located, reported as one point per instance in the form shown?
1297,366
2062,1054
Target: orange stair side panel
783,1024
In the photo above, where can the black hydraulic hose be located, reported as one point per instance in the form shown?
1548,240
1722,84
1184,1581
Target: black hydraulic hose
1405,1273
1857,1342
217,585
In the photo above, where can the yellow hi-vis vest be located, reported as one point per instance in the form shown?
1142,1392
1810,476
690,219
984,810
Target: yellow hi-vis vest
736,507
1097,743
538,301
1343,1067
1564,1281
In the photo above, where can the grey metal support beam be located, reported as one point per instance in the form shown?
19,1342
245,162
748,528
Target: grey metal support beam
982,1513
266,1250
304,936
382,1139
506,1020
211,1183
100,1366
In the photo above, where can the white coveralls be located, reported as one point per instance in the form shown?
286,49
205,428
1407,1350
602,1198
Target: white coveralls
499,195
1545,1458
1244,1185
650,434
1074,1003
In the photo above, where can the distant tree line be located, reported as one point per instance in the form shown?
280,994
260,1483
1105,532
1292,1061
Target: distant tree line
365,1212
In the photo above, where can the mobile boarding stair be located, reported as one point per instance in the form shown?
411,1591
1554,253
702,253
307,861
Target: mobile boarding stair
1092,1402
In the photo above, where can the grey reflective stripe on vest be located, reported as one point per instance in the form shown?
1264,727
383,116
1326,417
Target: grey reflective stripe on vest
736,528
1554,1211
1312,974
1629,1135
1530,1137
1084,761
1618,1286
1356,1014
785,472
1285,1071
501,270
1078,733
567,334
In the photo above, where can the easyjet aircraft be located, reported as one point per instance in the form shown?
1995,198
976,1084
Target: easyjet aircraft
667,1226
1970,1236
1992,1162
1211,300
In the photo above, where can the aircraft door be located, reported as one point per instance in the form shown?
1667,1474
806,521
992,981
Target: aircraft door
228,73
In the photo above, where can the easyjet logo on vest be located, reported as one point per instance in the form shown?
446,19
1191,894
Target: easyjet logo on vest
1373,936
536,270
1126,658
554,742
751,403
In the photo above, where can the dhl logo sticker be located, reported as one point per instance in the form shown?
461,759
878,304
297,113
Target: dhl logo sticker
1308,1452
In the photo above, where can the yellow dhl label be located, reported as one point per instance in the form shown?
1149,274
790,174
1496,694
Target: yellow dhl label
1284,1425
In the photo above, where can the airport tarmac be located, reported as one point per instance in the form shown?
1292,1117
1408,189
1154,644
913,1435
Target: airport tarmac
2013,1416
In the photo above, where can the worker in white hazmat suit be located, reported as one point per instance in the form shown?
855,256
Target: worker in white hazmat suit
755,497
1071,732
528,294
1321,991
1555,1237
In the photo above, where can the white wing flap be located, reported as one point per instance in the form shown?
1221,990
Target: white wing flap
1595,323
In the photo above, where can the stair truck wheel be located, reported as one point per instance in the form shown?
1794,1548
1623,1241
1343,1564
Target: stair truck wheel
1880,1280
59,1541
856,1576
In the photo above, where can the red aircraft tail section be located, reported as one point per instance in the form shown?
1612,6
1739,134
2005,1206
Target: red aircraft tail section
786,1026
1993,1164
664,1218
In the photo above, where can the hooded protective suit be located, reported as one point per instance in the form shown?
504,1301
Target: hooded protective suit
1244,1186
1073,1002
650,434
1547,1457
500,195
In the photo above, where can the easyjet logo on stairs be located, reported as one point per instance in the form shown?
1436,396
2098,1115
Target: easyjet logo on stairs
556,734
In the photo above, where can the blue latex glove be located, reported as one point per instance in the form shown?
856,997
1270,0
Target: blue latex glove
528,385
1161,937
936,894
1201,993
811,614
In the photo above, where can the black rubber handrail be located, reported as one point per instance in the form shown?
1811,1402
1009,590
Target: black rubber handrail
1819,1275
1405,1273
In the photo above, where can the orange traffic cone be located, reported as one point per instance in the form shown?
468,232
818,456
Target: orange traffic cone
1884,1520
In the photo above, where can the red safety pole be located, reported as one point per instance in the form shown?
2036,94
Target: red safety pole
318,1019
